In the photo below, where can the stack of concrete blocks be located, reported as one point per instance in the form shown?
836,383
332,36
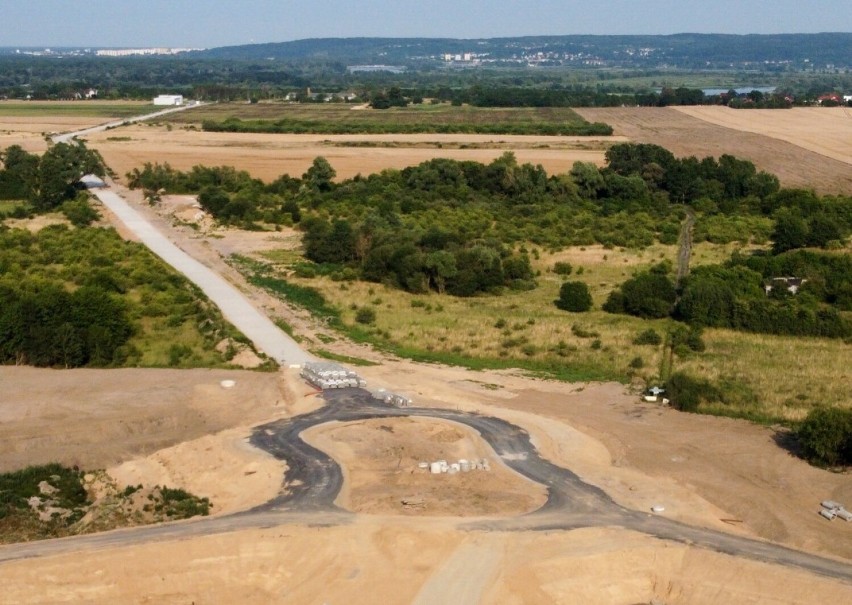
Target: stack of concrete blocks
329,375
390,398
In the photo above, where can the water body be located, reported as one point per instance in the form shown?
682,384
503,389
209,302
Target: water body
743,90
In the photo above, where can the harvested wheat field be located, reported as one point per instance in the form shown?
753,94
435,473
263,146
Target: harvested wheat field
268,156
763,139
823,130
31,132
28,123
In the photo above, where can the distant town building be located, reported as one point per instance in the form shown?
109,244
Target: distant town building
168,100
130,52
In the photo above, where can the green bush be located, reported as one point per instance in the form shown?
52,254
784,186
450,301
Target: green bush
562,268
574,296
687,392
365,315
825,437
648,337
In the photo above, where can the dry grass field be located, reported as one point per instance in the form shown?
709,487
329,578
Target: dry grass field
28,123
823,130
268,156
811,167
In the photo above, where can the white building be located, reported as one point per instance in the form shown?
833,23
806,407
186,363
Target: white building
168,100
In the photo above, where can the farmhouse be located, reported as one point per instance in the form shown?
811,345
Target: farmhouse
168,100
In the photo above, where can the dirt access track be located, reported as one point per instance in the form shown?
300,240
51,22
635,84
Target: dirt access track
809,147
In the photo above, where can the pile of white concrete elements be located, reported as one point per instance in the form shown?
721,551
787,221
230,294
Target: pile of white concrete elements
400,401
328,375
462,466
831,509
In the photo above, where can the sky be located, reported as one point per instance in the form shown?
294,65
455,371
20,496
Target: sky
212,23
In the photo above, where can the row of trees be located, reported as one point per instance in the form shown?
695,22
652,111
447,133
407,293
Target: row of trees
47,181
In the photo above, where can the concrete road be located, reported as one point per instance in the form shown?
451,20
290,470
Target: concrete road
236,308
66,137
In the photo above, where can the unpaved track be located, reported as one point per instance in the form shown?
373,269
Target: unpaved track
465,576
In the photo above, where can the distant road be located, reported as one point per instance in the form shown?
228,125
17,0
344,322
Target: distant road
66,137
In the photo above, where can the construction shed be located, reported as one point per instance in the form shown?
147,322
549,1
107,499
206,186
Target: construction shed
168,100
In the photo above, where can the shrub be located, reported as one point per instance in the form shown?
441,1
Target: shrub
637,363
648,337
825,437
581,332
365,315
687,392
574,296
562,268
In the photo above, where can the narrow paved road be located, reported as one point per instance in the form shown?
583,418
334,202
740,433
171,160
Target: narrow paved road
68,136
236,308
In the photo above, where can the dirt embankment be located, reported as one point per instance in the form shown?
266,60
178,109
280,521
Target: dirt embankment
97,418
794,164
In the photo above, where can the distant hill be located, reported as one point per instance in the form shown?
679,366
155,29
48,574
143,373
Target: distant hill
680,50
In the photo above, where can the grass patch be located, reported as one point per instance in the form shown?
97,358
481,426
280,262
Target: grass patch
763,378
80,109
347,359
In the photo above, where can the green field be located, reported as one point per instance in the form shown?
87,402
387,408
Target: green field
339,118
767,378
74,109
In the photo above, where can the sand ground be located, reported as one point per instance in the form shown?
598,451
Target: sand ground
702,469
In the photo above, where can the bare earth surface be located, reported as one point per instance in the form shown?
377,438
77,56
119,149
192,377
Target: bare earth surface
639,453
823,130
811,167
268,156
381,459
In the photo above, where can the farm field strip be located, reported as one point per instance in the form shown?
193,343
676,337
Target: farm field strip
823,130
268,156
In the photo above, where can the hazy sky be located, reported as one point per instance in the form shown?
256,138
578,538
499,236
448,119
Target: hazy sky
210,23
